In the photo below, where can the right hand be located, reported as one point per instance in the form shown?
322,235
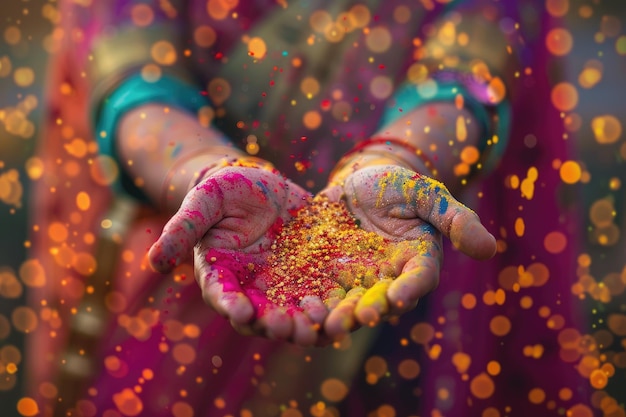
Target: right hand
230,220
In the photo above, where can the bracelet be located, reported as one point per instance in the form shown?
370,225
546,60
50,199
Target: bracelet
361,149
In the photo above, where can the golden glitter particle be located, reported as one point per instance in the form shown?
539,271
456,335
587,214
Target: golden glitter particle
490,412
493,368
496,90
591,74
10,287
381,87
519,227
128,403
34,168
312,119
606,129
204,36
527,186
409,369
461,361
402,14
257,48
557,8
617,324
461,133
48,390
163,53
320,20
310,86
468,301
219,90
219,9
536,396
570,172
378,39
564,96
579,410
142,15
376,365
24,76
361,15
57,232
184,354
602,213
559,41
422,333
342,111
27,407
417,73
24,319
500,325
555,242
333,389
615,184
12,35
151,73
482,386
219,403
104,170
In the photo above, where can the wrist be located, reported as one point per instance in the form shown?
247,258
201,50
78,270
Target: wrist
189,172
382,151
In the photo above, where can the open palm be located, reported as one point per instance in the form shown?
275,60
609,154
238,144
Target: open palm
412,211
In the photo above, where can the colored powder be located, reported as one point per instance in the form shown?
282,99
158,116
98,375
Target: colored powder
322,252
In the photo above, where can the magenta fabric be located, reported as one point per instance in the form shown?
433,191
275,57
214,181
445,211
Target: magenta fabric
216,372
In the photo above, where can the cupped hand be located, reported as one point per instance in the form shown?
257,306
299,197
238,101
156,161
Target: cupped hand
412,211
229,221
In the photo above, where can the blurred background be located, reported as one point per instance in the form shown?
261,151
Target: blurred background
25,40
590,43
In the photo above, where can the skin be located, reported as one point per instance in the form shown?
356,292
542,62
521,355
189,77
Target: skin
237,210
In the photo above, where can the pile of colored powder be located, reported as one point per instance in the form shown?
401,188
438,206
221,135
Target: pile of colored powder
322,252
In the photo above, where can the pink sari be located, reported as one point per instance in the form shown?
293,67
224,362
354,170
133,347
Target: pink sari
488,342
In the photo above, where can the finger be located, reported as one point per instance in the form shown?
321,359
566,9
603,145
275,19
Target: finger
221,290
276,323
341,320
431,201
200,210
373,305
333,298
315,309
245,329
457,222
420,275
304,330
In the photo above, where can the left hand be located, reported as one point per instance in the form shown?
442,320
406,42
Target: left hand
412,211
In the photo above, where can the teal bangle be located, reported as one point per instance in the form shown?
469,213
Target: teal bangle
132,93
408,97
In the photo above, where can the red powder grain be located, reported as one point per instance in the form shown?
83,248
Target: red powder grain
322,252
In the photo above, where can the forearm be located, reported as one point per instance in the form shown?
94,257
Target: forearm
438,139
164,151
448,139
